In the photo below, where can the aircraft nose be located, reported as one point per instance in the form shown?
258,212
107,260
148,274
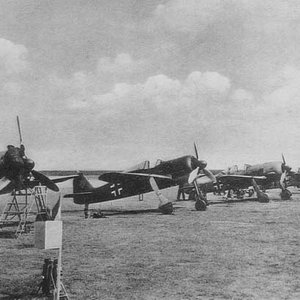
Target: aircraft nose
195,163
202,164
16,162
29,164
13,159
287,168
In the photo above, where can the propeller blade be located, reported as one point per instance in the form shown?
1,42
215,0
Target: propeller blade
44,180
205,178
282,180
62,179
201,180
6,186
210,175
196,150
19,128
193,175
284,166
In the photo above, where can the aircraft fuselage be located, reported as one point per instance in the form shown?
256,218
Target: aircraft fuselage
178,169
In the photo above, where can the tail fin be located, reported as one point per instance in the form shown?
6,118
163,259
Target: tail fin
81,184
82,190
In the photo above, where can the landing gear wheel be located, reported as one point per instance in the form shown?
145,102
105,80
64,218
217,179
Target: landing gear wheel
285,195
200,205
166,209
263,198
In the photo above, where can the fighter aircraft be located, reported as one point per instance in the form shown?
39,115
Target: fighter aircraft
267,175
141,180
17,173
294,178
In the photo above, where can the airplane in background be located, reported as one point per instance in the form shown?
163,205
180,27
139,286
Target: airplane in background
267,175
17,173
137,181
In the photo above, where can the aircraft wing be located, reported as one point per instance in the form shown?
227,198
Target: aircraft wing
239,180
123,177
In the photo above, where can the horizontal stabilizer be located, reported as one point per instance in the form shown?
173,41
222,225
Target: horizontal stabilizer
77,194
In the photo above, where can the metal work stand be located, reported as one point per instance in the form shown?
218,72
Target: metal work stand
19,208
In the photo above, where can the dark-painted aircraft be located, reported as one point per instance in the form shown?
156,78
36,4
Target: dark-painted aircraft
139,180
266,175
17,173
294,179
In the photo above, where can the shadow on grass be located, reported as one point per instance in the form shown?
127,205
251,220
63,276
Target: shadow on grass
25,297
22,289
25,246
226,201
10,224
7,234
129,212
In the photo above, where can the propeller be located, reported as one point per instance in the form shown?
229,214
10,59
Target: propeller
282,180
284,166
201,165
19,129
196,150
19,169
193,175
285,171
44,180
210,175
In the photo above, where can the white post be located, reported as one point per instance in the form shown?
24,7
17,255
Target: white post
48,235
58,283
58,280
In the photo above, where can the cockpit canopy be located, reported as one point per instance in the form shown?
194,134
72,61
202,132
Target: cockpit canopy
141,166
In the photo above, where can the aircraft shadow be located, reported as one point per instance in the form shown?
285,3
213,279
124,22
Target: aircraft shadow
129,212
213,202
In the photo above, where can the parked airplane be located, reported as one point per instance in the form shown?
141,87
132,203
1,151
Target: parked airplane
17,173
141,180
294,178
267,175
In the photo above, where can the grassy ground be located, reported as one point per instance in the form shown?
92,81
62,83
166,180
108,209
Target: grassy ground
232,251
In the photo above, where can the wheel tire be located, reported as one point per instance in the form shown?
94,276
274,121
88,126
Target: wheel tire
166,209
285,195
263,198
200,205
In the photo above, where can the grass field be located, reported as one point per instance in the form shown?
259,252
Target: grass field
231,251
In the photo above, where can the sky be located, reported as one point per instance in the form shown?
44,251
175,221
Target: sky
107,84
